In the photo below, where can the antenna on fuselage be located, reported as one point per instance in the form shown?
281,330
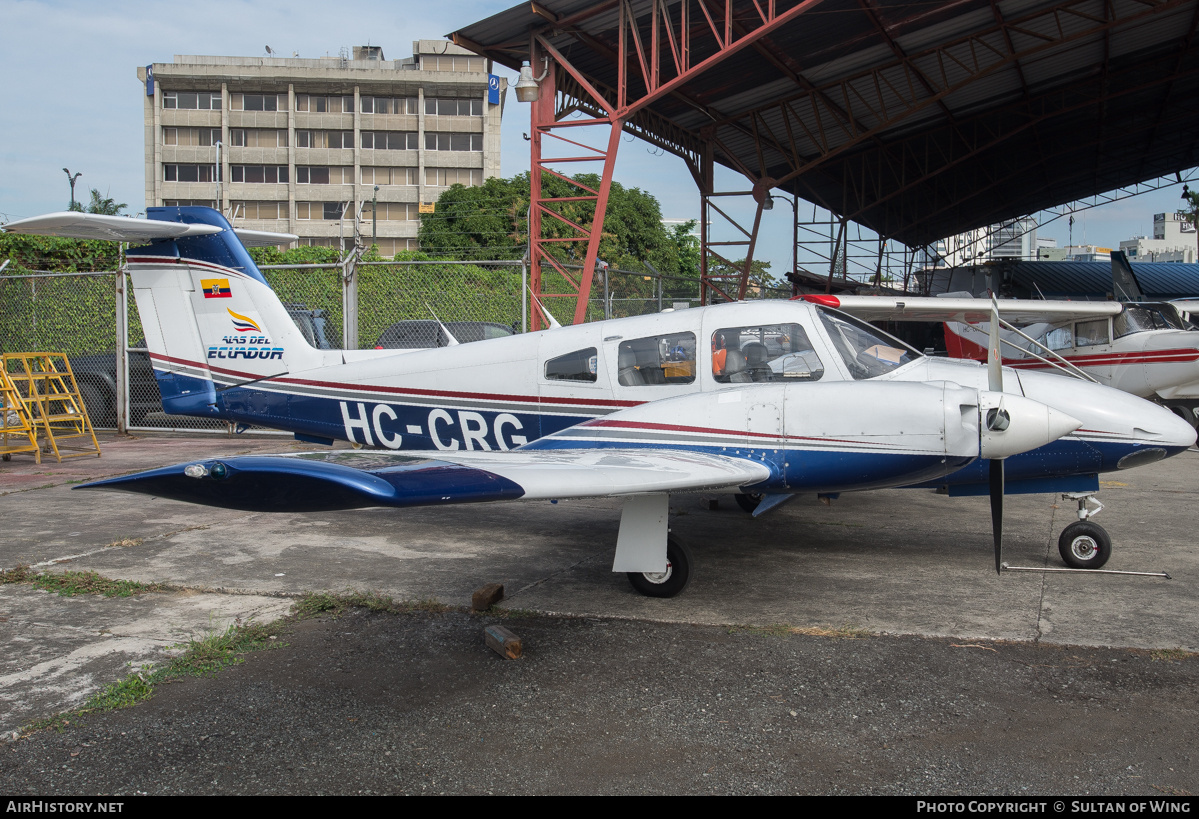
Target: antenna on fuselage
553,322
453,342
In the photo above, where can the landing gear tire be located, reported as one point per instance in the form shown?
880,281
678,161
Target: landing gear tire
748,501
1084,545
670,582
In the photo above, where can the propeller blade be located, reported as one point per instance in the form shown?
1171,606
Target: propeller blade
997,510
994,360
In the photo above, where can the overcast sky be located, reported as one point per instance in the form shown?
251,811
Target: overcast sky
71,98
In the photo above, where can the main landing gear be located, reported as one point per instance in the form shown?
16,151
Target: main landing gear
673,580
1083,544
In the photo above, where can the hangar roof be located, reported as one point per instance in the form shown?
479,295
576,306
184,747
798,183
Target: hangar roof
918,120
1093,280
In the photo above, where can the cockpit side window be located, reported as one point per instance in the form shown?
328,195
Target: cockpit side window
665,359
1091,333
866,350
581,365
763,353
1141,317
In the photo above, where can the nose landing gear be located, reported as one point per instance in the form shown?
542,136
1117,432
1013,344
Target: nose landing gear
1083,544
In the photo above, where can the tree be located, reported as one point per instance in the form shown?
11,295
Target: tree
104,205
491,221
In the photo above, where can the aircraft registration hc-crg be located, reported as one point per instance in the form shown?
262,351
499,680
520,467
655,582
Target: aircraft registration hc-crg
766,399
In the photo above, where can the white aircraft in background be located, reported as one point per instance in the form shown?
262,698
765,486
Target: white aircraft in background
771,398
1149,349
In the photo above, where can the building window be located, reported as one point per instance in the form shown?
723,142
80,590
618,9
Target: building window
324,139
188,173
318,175
392,212
446,62
192,100
189,203
257,138
453,107
389,140
444,177
259,210
388,105
257,102
332,211
265,174
389,176
191,136
390,247
435,141
325,105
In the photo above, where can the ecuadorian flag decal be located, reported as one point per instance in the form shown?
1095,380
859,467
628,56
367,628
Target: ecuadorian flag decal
243,324
216,288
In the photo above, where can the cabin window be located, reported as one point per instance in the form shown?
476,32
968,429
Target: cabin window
1061,338
666,359
763,353
581,365
1090,333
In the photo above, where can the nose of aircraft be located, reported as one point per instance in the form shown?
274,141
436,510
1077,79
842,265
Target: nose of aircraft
1109,414
1011,424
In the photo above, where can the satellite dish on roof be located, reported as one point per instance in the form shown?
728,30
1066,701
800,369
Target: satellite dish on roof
268,51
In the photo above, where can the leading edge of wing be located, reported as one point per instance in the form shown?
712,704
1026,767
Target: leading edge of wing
919,308
325,481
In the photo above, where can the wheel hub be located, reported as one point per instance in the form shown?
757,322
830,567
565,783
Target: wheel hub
1083,547
658,578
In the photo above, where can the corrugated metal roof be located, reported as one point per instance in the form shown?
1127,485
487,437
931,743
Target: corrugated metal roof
1159,281
1098,95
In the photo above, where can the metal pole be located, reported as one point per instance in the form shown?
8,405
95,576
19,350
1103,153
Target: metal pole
375,217
122,347
524,287
349,302
217,177
607,303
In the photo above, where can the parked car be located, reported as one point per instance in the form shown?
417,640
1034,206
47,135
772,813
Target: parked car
421,333
96,373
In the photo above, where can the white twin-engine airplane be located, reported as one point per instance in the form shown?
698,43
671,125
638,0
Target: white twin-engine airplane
766,399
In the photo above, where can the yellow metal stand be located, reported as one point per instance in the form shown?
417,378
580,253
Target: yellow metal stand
46,385
16,427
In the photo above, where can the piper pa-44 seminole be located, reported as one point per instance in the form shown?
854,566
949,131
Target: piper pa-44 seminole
768,399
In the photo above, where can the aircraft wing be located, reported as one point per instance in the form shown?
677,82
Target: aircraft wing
916,308
74,225
323,481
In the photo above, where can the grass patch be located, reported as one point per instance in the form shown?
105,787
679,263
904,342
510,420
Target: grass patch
312,604
202,657
1170,654
69,584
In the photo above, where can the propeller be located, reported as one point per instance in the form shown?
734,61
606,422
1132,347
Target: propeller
997,420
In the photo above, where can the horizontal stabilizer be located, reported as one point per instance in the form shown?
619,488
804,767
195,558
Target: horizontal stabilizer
264,238
74,225
324,481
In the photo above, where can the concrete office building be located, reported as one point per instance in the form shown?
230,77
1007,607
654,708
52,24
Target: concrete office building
1174,240
306,144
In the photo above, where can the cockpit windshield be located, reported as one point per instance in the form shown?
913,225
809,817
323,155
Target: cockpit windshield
1137,318
867,350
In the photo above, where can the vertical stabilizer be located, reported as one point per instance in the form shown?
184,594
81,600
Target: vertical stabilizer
1125,286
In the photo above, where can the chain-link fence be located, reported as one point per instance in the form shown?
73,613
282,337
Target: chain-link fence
394,304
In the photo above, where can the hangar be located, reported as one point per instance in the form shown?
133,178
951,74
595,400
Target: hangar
916,120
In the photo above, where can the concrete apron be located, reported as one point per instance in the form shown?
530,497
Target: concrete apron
899,562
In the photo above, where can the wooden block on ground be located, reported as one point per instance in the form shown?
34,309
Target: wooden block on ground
487,596
713,504
502,642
